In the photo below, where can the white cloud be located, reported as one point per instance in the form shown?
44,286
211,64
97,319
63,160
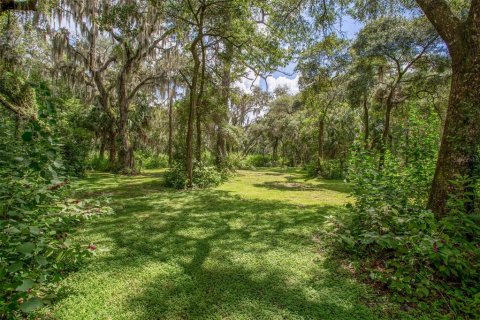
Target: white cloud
291,84
249,81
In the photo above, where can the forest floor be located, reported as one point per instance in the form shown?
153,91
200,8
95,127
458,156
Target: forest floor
245,250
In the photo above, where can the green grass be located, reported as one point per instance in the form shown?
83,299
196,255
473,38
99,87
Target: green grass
245,250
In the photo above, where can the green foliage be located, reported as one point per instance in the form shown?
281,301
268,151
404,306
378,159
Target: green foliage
236,160
98,163
242,248
42,144
151,161
204,176
424,261
71,124
176,177
259,161
327,169
34,218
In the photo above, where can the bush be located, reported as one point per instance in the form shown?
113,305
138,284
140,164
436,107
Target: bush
35,219
203,176
75,152
176,177
258,160
235,161
424,261
99,164
152,161
328,169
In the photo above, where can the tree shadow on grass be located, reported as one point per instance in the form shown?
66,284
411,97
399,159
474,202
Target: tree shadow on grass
300,186
226,256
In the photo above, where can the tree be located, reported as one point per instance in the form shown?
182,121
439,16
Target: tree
136,45
399,44
458,155
458,24
323,68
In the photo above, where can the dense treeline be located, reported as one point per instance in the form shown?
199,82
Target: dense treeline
125,85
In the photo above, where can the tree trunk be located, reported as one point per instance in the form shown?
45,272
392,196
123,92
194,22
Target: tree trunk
191,111
274,150
198,145
460,141
321,129
112,145
385,143
200,103
222,116
366,120
461,136
170,123
103,142
124,156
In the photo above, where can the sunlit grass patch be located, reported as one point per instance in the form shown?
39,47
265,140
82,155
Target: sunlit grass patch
244,250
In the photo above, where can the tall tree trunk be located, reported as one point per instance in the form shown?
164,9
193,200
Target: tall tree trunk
200,103
275,149
366,120
386,138
170,122
222,116
321,129
192,109
461,136
198,129
112,144
103,142
460,141
124,156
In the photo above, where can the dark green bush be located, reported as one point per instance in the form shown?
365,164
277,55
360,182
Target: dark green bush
425,261
236,160
204,176
39,153
258,160
34,219
151,161
327,169
176,177
99,164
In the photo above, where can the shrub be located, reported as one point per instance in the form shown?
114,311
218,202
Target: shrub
236,160
35,220
258,160
424,261
151,161
99,164
176,177
203,176
328,169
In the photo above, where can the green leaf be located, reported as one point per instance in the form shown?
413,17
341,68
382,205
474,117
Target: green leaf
42,261
15,266
27,136
26,284
31,305
27,247
35,230
12,230
57,164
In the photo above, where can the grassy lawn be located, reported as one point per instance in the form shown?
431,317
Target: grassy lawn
245,250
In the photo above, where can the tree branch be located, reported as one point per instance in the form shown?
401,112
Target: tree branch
443,19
